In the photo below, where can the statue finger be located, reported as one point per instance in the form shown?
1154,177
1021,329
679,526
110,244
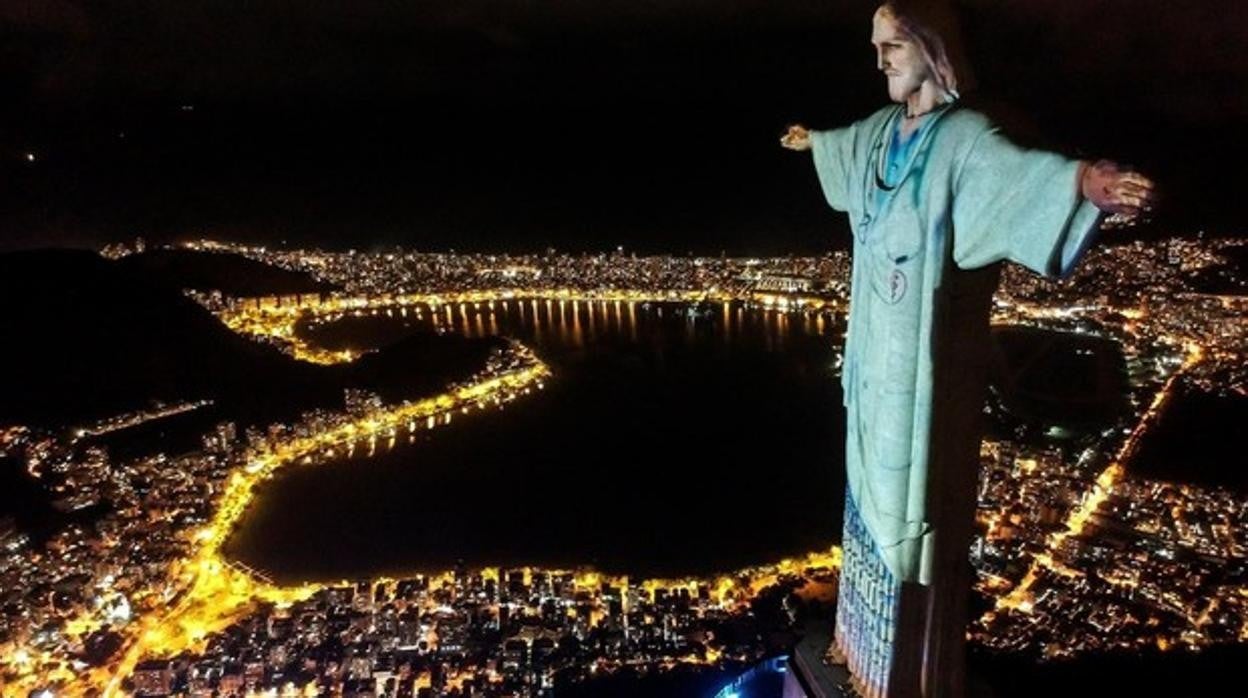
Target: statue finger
1137,203
1138,180
1134,189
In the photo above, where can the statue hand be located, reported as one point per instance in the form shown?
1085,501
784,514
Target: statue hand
796,138
1124,193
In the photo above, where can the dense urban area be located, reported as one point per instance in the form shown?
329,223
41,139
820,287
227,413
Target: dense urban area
1073,554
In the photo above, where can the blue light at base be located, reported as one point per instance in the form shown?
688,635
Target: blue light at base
755,675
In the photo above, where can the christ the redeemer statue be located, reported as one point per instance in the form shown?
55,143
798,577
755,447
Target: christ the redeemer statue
936,197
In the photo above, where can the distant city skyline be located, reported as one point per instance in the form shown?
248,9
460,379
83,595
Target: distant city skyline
1078,553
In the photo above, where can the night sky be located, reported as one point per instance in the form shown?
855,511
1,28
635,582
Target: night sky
516,126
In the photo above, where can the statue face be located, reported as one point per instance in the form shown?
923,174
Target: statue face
898,56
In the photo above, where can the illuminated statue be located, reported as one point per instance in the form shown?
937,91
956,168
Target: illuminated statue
935,197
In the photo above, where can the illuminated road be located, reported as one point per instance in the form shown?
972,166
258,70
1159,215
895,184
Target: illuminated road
1020,598
276,321
218,594
204,594
135,419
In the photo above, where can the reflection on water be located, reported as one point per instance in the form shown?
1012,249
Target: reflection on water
671,439
573,323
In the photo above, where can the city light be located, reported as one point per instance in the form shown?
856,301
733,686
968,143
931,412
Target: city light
1056,589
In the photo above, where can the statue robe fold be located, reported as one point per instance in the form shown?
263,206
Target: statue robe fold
924,265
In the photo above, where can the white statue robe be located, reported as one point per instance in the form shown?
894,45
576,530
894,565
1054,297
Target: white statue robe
913,368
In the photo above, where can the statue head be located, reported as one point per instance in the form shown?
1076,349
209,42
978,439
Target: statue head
916,44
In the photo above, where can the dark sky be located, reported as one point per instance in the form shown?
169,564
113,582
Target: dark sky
582,125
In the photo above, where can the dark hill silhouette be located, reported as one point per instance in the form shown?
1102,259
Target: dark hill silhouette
229,273
87,338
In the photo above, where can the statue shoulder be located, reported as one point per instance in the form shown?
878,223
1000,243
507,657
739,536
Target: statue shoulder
966,124
879,117
959,131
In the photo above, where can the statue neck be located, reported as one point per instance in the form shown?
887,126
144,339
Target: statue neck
928,97
922,101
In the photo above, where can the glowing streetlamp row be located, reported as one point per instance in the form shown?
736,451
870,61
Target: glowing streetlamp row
276,321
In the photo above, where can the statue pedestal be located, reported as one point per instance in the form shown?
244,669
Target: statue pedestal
814,672
811,674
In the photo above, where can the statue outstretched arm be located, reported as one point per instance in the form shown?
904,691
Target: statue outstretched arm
833,155
1019,204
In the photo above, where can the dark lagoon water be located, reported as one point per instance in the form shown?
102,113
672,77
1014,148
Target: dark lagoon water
669,441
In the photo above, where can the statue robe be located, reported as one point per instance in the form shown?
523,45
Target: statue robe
914,370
